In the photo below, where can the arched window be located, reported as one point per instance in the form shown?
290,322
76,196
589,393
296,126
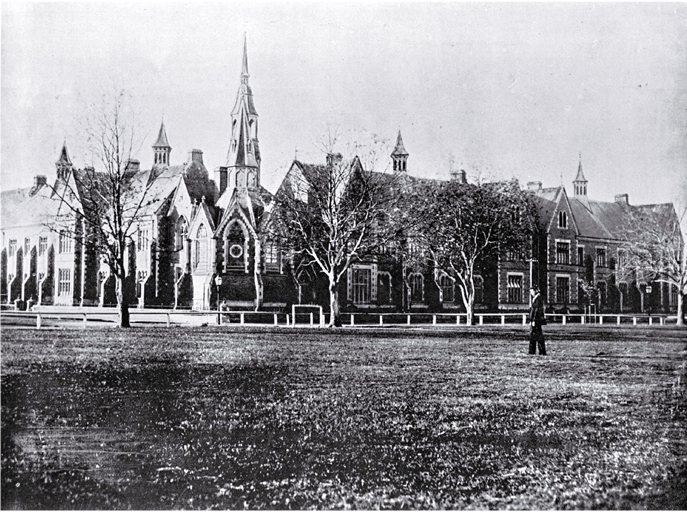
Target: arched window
562,220
235,248
447,288
417,283
181,233
251,179
201,253
240,178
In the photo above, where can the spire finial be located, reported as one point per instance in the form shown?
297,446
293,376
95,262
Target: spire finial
244,68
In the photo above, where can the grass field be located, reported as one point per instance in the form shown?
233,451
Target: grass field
205,418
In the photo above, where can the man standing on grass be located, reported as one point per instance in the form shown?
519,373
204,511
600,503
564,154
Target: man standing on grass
537,319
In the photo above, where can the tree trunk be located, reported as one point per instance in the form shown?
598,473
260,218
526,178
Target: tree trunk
334,312
680,309
122,304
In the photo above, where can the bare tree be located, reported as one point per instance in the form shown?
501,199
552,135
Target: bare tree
110,202
331,215
653,249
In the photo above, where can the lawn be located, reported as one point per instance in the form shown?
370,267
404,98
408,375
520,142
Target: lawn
206,418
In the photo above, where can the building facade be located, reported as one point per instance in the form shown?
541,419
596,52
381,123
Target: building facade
204,239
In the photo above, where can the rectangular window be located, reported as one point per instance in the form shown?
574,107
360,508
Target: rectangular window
65,242
562,220
417,288
446,288
514,289
362,280
42,245
600,257
562,253
271,256
580,256
27,246
64,281
562,290
143,240
13,248
673,295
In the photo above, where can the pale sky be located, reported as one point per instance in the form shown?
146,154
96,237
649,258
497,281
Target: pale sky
511,89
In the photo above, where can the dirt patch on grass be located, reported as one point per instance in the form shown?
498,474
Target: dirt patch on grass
202,418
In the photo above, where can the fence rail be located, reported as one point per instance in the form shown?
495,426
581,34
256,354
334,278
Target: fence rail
316,318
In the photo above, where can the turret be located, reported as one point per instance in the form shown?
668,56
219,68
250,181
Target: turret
64,164
161,147
399,155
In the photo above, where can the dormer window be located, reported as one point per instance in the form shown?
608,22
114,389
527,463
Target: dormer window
562,220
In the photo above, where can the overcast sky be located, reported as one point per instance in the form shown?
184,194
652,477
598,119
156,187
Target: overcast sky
505,89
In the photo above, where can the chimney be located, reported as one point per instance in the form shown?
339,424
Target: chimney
195,155
459,176
132,166
622,199
220,180
334,159
534,185
39,181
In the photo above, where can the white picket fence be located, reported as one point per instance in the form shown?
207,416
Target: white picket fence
100,316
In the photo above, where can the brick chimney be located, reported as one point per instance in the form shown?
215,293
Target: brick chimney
132,166
534,185
622,199
195,155
39,181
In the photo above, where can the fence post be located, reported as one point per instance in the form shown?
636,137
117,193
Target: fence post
662,319
565,319
381,320
617,321
651,321
601,319
38,321
457,319
85,320
524,319
634,320
275,319
481,319
168,322
434,319
582,319
311,320
352,318
242,318
503,319
408,320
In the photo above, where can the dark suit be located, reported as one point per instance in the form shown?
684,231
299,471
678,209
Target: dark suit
537,319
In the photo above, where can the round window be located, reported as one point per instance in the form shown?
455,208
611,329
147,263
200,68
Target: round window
236,251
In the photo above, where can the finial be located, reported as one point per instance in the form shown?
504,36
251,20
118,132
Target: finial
244,68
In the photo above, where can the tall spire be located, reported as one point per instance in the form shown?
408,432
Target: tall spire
243,157
161,147
399,155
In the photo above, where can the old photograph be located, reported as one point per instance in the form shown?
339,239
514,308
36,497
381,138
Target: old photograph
354,255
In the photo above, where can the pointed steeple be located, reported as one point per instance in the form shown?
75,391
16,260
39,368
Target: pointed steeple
161,147
243,157
64,163
580,182
399,155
